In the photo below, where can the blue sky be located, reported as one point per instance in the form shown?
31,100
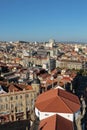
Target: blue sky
41,20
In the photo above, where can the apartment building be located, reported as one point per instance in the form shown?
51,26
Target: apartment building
16,105
69,64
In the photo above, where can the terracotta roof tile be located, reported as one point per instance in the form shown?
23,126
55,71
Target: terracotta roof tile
55,122
17,59
28,87
57,100
12,88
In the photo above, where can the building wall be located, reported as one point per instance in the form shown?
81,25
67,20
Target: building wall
13,103
36,88
76,115
69,64
43,115
52,64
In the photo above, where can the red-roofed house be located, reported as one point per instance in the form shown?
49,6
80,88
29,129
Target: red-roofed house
57,101
56,122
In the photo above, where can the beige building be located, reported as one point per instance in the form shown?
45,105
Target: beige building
69,64
17,105
36,85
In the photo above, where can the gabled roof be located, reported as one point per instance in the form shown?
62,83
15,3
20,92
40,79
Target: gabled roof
12,88
28,87
55,122
57,100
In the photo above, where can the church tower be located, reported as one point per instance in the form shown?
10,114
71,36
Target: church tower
36,84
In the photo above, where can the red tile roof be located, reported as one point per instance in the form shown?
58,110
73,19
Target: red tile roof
17,59
57,100
55,122
28,87
12,88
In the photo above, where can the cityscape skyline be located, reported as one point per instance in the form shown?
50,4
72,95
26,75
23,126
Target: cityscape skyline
31,20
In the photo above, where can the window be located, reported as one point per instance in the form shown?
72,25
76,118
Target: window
12,106
0,99
68,115
7,106
27,95
11,98
2,107
16,97
21,96
32,101
16,109
38,113
6,99
46,114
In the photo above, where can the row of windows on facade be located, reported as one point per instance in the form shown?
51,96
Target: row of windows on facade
16,97
17,110
18,106
71,65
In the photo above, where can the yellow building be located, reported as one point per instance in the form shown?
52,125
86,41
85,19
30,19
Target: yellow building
17,105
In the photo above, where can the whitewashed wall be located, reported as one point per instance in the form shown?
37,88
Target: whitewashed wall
43,115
